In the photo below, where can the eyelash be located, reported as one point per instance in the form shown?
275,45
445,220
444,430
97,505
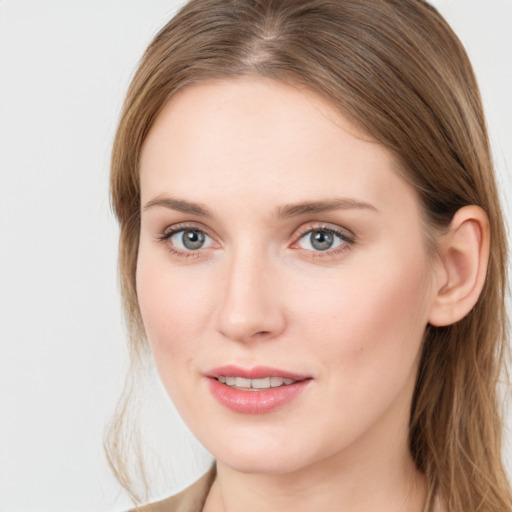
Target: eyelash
167,235
347,240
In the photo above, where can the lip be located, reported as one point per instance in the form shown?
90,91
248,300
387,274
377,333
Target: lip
255,402
258,372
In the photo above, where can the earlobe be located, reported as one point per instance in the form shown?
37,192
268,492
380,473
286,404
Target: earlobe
463,268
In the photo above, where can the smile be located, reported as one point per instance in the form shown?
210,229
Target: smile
244,384
256,390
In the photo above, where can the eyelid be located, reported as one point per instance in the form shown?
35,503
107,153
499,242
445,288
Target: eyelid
347,236
348,239
344,233
186,254
183,226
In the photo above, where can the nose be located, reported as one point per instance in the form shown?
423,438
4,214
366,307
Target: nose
251,305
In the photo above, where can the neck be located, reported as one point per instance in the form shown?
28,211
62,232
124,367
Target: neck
253,493
375,473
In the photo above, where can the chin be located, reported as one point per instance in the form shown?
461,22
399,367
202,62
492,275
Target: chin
260,454
256,464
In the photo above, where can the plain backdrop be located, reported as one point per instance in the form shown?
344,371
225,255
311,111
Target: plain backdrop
64,69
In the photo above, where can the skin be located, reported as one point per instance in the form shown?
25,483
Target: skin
258,293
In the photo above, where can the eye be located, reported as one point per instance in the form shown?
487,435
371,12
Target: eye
188,239
323,239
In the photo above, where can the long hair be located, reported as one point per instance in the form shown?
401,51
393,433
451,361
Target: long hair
396,69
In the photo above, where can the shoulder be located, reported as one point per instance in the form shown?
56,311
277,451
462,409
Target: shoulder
190,499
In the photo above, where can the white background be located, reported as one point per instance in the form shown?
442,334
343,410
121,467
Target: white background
64,68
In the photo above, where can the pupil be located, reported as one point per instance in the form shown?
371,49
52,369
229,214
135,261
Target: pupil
321,240
193,239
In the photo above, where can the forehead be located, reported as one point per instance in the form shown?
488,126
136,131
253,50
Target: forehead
253,138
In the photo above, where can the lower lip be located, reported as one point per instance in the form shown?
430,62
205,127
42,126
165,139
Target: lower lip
255,402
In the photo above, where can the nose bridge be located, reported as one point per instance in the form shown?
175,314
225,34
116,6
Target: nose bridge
249,306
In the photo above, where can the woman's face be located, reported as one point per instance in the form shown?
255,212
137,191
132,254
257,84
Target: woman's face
282,277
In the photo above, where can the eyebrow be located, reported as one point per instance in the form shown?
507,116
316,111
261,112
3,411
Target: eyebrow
180,206
311,207
283,212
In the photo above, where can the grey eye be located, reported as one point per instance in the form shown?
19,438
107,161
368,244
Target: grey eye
320,240
193,239
190,239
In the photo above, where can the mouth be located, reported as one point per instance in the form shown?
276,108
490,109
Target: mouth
258,377
256,390
244,384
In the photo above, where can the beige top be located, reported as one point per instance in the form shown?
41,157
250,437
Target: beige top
192,499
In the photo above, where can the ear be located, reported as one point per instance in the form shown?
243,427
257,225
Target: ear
463,267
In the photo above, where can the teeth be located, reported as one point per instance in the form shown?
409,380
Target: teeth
275,382
243,383
246,384
261,383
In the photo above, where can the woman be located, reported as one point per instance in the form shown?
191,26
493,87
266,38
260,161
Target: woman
313,249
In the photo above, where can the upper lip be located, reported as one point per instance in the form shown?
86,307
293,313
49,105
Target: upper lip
257,372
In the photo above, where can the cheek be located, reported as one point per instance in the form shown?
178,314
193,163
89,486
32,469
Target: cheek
368,321
174,313
365,336
173,307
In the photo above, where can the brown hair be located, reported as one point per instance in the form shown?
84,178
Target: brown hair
399,72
